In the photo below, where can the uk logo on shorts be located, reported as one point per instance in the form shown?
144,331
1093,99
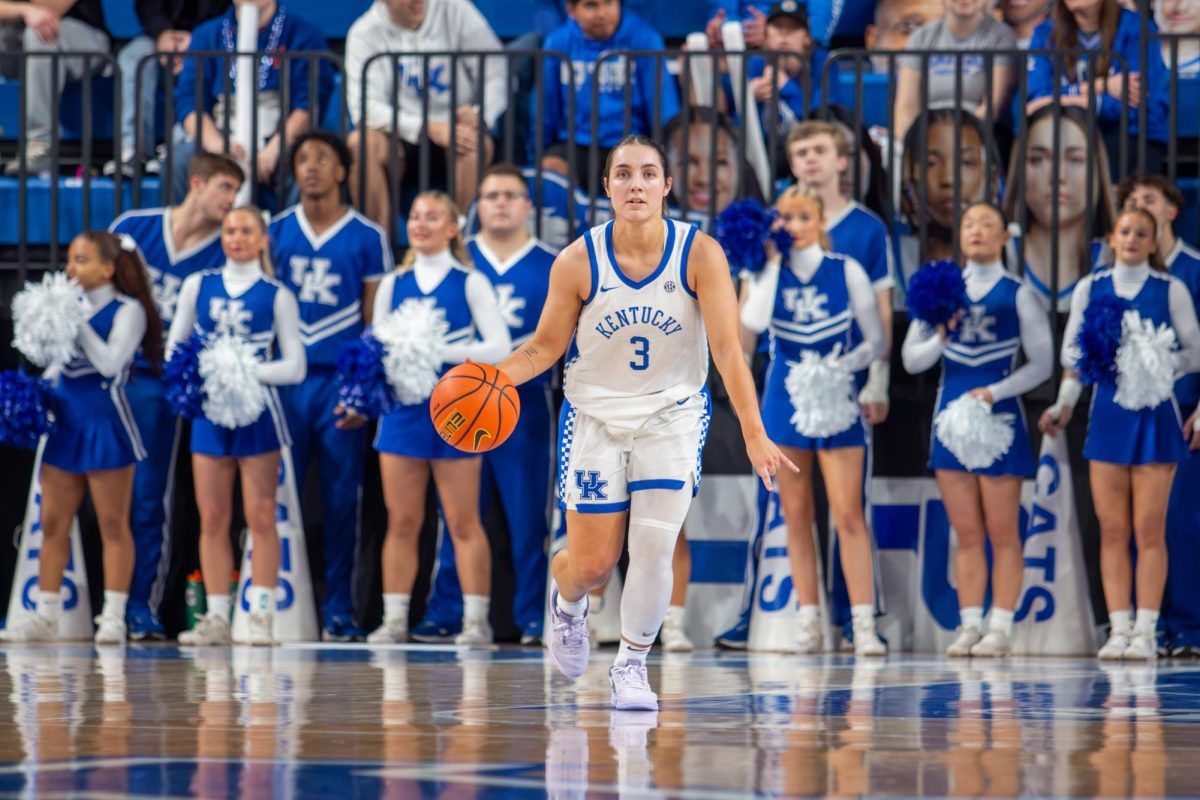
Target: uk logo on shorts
590,485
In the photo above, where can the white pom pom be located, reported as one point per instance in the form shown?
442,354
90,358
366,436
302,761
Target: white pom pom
822,394
413,340
969,430
46,319
234,396
1145,374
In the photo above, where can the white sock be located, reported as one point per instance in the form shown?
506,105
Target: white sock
114,604
972,617
219,606
863,614
395,607
1119,620
631,653
1147,619
1001,620
809,614
262,599
49,605
475,609
674,616
572,608
595,601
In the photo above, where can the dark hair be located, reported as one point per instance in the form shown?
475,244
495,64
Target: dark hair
502,170
1064,35
723,123
876,195
131,278
644,141
1155,259
1149,180
207,166
327,138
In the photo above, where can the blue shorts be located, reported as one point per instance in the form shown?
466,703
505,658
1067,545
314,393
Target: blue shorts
408,431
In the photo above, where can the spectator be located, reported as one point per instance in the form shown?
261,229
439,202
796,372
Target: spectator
596,27
708,179
830,18
966,156
167,28
872,188
1102,25
966,26
1074,244
421,26
1023,16
794,80
55,26
895,21
1182,18
202,125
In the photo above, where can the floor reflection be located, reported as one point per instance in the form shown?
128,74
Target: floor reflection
303,722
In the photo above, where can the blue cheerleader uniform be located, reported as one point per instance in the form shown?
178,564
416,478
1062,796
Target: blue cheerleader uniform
985,352
808,315
408,430
250,315
94,427
1150,435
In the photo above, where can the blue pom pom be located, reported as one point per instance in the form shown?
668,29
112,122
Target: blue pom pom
936,293
782,239
362,383
184,388
25,409
1100,337
742,228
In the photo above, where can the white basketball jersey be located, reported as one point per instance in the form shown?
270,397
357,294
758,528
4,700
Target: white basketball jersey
640,346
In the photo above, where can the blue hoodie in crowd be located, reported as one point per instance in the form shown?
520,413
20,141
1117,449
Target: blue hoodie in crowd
1125,45
633,33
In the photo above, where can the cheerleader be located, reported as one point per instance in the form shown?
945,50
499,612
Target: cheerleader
1133,455
979,352
241,299
410,449
95,441
808,306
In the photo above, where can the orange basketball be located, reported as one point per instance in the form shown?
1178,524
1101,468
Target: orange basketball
474,407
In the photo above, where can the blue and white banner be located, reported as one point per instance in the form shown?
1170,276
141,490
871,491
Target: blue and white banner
76,620
295,609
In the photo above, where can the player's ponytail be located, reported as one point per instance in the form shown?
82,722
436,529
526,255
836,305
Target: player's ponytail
457,246
131,278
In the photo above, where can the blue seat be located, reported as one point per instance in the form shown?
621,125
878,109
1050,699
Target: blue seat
874,98
1187,120
70,207
70,110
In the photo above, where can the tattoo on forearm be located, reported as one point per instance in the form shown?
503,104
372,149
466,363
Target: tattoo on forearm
529,351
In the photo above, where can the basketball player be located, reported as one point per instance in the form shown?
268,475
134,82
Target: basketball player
332,257
518,266
639,294
174,242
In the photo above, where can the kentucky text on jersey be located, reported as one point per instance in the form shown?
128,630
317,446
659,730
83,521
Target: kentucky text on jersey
637,315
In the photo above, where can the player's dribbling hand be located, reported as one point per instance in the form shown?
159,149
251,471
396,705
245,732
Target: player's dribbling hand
1054,419
766,458
347,419
1191,430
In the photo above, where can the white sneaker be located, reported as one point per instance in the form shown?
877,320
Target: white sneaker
34,628
260,630
1118,642
475,634
994,644
392,631
673,638
212,629
109,630
808,637
631,688
968,637
1143,646
867,641
568,641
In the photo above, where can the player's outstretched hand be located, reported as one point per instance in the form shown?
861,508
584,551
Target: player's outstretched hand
767,458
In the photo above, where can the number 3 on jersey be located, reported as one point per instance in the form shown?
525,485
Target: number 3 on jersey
641,350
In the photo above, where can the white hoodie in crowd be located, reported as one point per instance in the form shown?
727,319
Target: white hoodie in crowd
448,26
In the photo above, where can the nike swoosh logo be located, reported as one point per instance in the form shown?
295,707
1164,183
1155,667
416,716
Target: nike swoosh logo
608,288
479,434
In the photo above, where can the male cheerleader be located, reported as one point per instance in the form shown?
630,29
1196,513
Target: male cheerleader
174,243
332,258
518,265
